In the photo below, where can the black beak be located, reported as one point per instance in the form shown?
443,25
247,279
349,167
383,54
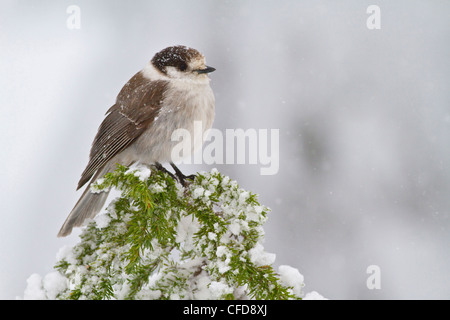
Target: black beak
206,70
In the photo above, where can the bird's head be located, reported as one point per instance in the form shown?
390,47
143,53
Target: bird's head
181,62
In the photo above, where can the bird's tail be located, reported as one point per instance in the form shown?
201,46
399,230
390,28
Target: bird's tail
87,206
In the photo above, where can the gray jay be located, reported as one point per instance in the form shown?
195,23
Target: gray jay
170,92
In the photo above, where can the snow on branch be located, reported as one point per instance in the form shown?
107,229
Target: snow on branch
160,240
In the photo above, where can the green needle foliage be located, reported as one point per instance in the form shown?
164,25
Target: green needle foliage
159,240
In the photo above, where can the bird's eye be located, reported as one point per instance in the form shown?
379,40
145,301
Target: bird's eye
182,66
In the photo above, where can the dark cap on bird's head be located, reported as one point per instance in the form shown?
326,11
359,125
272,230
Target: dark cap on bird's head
181,58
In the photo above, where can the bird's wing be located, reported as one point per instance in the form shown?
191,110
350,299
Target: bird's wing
136,106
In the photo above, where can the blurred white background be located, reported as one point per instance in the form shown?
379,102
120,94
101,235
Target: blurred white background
364,120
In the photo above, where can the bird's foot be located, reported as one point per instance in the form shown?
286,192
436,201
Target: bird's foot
161,168
178,174
181,177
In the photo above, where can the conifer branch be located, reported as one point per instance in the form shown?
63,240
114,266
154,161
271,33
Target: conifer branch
160,240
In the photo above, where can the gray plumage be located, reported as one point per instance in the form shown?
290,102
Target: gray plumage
170,93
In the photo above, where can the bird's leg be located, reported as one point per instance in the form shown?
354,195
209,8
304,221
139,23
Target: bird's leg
161,168
181,177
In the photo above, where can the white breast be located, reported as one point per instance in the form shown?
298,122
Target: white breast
186,101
